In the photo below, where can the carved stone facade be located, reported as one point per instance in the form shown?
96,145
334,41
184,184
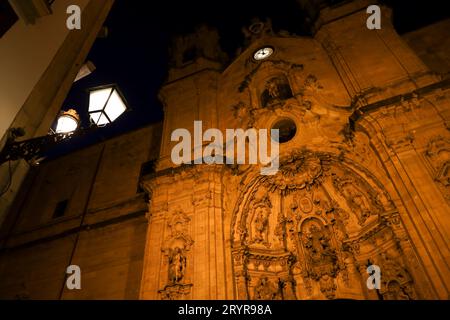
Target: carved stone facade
175,249
325,223
363,180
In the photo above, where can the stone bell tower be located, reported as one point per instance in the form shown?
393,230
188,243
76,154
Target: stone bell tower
362,179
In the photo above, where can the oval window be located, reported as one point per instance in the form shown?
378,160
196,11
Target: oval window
287,129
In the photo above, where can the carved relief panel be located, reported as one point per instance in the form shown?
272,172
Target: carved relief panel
307,232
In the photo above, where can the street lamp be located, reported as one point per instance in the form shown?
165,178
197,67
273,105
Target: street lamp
68,122
106,104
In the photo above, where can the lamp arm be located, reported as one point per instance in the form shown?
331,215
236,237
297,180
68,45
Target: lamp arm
27,149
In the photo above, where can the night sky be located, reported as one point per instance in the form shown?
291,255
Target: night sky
135,53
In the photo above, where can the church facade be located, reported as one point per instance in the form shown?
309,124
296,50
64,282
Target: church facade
363,176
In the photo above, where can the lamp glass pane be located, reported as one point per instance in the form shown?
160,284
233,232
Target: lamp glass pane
103,120
66,124
98,98
95,117
115,106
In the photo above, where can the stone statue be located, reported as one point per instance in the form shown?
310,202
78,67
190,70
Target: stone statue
261,224
272,88
177,266
318,245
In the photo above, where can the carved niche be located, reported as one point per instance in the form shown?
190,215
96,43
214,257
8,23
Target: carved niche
438,154
175,249
297,234
275,85
276,90
260,222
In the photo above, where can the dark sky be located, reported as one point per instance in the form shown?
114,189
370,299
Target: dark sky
134,55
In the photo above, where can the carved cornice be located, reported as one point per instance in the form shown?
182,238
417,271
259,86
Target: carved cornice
360,112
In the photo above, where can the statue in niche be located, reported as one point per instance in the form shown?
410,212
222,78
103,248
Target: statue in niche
321,257
261,225
261,221
276,90
272,88
266,290
318,246
177,266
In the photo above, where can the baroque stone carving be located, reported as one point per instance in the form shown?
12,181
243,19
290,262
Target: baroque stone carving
360,199
260,230
396,281
175,248
438,154
321,256
317,245
318,220
177,265
276,90
266,290
175,292
328,286
298,170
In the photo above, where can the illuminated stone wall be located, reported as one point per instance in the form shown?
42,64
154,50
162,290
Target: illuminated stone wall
363,181
101,183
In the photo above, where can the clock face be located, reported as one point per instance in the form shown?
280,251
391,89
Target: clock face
263,53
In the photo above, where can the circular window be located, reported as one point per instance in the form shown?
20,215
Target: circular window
263,53
287,130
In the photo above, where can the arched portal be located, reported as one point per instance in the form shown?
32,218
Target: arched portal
311,231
